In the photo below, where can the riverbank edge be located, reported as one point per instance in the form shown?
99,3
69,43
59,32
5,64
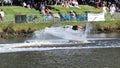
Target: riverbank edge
24,29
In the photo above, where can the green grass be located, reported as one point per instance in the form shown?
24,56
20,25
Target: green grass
10,11
82,9
21,10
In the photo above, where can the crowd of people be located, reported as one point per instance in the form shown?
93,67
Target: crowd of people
70,3
40,4
111,8
111,5
64,3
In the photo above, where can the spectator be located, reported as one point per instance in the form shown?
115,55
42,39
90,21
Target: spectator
29,4
104,9
56,2
42,5
24,4
105,2
60,15
32,4
72,14
97,3
112,11
84,2
1,15
91,2
118,7
47,11
116,1
75,13
43,11
75,3
63,4
109,5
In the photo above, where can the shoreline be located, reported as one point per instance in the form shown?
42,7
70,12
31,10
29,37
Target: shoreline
24,29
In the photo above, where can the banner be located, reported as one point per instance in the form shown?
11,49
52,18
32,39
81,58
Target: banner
96,17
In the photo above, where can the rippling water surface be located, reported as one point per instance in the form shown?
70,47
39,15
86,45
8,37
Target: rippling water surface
73,58
102,52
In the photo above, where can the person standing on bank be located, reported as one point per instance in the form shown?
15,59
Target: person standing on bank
112,11
1,16
104,8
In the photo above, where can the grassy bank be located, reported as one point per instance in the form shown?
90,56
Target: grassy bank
10,11
81,9
55,9
97,26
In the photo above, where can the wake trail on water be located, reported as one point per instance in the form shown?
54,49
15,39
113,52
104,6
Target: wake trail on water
16,48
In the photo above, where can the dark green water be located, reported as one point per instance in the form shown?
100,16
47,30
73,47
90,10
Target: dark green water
78,58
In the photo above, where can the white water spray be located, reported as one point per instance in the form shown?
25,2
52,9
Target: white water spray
54,33
50,36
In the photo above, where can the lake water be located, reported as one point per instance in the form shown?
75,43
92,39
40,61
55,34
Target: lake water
103,51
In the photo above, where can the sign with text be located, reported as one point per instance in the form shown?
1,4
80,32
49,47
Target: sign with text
96,17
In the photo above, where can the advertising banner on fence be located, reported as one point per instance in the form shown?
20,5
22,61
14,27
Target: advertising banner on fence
96,17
